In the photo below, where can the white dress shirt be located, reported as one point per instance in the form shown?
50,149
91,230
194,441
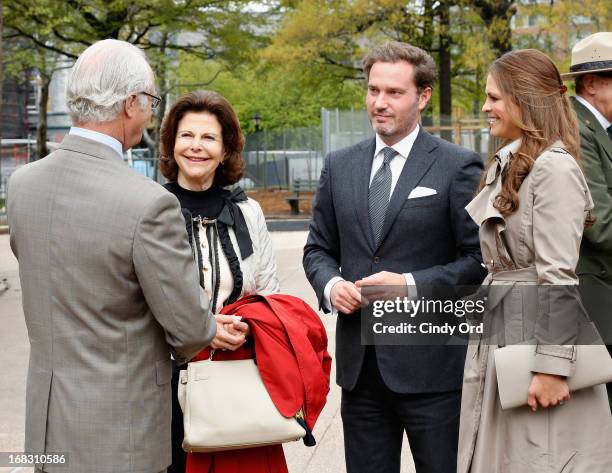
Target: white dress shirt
403,148
603,121
99,137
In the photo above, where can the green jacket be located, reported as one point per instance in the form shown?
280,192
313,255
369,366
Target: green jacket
596,152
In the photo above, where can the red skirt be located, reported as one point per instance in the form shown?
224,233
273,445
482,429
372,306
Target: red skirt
269,459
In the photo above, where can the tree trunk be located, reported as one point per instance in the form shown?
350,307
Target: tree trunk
428,27
477,110
446,102
162,81
502,41
41,129
428,35
491,11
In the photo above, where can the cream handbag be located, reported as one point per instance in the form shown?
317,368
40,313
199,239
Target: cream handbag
226,406
592,366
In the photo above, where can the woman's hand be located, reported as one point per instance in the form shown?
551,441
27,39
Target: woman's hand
231,332
547,390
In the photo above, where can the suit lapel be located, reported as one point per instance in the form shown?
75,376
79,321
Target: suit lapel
418,163
606,142
361,184
591,122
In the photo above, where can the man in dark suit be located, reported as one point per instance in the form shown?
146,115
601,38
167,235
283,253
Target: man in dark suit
390,211
591,69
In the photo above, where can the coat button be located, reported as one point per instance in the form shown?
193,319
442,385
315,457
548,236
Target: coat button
376,259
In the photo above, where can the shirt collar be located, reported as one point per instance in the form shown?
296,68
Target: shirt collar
501,160
503,155
403,147
99,137
603,121
512,147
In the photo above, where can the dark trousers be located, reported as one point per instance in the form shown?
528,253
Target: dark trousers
179,457
375,419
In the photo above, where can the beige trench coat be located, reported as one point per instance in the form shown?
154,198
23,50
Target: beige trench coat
540,242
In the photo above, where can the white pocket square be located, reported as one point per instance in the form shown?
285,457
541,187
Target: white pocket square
421,192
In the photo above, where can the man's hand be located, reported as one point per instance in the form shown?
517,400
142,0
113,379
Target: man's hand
237,327
345,297
231,333
383,285
547,390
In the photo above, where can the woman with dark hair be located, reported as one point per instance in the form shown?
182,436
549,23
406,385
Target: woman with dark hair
532,206
201,145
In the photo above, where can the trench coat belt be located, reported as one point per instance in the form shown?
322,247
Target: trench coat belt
497,292
528,274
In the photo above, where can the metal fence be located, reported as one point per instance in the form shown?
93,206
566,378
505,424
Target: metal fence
277,159
14,153
341,128
142,161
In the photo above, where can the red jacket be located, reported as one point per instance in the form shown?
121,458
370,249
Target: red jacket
291,351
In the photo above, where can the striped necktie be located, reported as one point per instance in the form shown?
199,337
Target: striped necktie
380,191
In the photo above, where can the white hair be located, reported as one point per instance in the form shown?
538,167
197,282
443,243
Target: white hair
103,76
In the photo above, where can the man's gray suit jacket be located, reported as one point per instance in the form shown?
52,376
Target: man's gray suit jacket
432,237
110,289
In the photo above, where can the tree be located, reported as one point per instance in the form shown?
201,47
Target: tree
542,30
37,65
284,97
204,29
337,33
496,15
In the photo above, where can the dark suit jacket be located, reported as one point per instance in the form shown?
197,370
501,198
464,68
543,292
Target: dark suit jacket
595,263
432,237
596,155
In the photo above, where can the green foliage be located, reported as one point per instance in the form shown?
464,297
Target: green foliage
285,59
56,29
284,97
557,26
335,35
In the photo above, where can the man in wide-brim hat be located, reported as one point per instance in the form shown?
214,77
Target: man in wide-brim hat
591,69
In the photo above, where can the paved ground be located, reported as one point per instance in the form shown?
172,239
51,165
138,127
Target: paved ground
326,457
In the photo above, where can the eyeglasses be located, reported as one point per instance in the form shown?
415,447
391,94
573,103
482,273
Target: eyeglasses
155,100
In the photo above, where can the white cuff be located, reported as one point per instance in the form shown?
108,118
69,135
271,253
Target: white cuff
327,294
411,283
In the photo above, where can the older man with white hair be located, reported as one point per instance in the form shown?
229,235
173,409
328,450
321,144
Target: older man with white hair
110,287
